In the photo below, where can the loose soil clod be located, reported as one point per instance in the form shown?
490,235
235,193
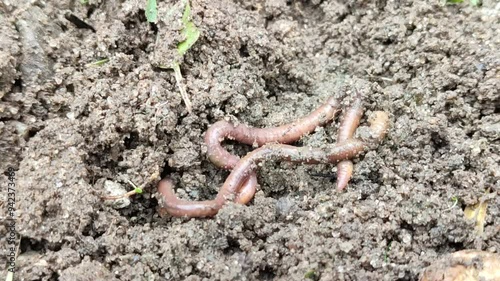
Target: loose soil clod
466,265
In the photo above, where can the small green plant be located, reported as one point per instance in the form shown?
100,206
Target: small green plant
136,190
84,2
454,199
191,34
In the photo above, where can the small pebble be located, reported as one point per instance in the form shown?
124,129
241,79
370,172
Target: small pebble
114,189
21,128
491,131
285,207
346,247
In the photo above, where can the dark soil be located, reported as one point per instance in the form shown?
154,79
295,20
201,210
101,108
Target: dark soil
67,127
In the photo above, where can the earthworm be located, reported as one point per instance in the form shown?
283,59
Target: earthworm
331,154
256,136
350,121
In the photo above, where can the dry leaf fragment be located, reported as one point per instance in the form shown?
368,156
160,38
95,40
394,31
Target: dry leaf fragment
477,213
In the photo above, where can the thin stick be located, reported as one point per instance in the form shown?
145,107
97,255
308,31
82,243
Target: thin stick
116,197
178,78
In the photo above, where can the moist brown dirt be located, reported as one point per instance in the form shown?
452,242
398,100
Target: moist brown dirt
67,127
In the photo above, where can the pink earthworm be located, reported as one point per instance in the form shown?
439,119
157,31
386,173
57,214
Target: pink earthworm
350,121
330,154
256,136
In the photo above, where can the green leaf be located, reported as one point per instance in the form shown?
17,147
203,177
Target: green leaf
454,1
99,62
187,13
84,2
151,11
475,3
138,190
190,31
310,275
386,254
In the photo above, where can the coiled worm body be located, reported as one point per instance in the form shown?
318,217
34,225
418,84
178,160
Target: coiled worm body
288,133
243,169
